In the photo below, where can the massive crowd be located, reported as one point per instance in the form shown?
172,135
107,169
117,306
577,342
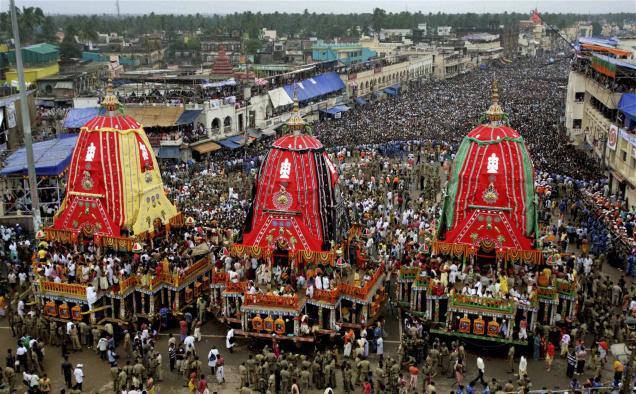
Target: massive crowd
408,141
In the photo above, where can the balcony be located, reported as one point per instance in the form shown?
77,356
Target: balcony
172,141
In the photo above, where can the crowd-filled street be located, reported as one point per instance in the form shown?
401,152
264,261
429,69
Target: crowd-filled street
393,158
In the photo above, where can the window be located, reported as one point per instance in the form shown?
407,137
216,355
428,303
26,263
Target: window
624,155
579,97
632,163
576,123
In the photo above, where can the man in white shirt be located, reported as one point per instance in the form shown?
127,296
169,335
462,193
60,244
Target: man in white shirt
481,369
79,376
189,343
325,282
565,342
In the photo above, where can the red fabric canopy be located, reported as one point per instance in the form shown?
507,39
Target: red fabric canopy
294,200
490,195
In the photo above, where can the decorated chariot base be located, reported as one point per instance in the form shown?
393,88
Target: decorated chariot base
116,205
295,286
489,282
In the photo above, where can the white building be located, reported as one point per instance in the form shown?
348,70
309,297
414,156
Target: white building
444,31
483,47
590,112
267,34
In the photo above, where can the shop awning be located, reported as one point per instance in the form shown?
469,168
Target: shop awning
63,85
279,97
207,147
361,101
337,109
77,117
160,116
254,133
269,132
608,65
238,139
169,152
188,116
51,157
392,90
319,85
627,105
227,143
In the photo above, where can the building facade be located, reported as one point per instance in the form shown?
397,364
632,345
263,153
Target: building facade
344,53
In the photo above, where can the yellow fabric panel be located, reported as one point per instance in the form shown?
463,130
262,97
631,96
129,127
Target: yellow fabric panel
145,199
129,156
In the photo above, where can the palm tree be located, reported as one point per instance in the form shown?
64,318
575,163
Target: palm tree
87,32
30,20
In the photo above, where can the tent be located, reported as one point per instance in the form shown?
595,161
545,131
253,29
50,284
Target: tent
238,139
77,117
227,143
169,152
155,116
392,90
188,116
206,147
337,109
361,101
279,97
51,157
627,105
317,86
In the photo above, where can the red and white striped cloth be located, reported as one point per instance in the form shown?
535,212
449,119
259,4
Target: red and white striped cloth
260,81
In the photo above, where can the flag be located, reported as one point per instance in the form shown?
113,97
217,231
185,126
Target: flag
260,81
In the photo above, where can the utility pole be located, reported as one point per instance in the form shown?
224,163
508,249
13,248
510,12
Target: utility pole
26,121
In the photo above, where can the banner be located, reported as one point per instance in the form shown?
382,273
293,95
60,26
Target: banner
11,121
612,137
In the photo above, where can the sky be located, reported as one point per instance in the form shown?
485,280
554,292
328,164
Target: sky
326,6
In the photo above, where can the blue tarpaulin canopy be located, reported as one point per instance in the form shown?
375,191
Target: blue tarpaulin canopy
169,152
227,143
188,116
627,105
51,157
77,117
238,139
392,90
361,101
319,85
336,109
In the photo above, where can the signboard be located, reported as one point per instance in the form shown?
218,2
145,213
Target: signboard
11,121
612,137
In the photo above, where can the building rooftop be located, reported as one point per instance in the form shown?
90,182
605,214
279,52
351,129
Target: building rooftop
42,48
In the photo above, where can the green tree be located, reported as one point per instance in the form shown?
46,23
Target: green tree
87,32
596,29
30,21
379,19
48,31
252,46
69,48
